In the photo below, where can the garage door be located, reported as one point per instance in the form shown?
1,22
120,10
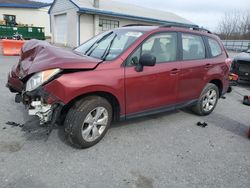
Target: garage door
61,29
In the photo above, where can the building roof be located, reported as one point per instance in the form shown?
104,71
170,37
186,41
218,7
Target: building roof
23,4
129,11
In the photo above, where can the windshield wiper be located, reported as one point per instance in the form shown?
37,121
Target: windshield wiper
92,48
107,50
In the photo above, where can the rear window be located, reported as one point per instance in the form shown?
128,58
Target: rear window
214,47
193,47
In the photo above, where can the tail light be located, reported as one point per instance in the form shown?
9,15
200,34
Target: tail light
233,77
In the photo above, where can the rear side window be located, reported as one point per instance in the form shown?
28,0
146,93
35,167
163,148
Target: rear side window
214,47
193,47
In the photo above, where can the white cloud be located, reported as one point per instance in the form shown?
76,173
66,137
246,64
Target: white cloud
204,13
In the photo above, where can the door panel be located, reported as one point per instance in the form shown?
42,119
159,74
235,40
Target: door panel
156,86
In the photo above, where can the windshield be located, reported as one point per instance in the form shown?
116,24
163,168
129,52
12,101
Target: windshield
108,45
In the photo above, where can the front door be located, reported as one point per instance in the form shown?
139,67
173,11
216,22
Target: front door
154,87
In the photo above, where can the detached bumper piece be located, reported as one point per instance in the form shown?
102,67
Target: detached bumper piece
42,104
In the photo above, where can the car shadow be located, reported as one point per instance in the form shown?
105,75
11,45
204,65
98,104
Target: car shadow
31,128
34,131
223,122
244,84
227,123
131,122
138,120
62,135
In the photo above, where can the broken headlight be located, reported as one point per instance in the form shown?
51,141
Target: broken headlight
40,78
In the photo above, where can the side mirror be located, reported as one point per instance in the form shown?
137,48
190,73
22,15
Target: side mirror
146,60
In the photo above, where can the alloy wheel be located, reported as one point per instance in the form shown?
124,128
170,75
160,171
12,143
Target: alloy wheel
209,100
94,124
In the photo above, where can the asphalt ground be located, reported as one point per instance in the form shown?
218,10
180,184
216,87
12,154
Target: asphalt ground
164,150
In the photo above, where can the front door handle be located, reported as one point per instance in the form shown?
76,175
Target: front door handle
208,66
174,71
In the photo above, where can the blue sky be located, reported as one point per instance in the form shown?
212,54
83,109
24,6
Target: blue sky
206,13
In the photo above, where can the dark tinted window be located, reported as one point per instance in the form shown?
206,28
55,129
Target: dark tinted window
214,47
193,47
163,46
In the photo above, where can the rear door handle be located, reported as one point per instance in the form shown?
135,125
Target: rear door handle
174,71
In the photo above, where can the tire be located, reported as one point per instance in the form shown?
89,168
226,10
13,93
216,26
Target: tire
87,121
209,90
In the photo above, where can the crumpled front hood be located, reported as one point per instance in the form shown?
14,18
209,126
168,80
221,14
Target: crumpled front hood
38,56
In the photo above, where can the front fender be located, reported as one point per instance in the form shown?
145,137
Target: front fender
70,86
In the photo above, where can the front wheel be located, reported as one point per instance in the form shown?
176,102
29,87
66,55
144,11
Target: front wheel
88,121
207,100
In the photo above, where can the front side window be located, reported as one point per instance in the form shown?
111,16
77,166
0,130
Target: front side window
193,47
109,45
163,46
214,47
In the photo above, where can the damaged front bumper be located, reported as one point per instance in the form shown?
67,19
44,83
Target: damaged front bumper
43,111
38,102
42,104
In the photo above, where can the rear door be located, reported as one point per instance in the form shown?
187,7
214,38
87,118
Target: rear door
193,67
156,86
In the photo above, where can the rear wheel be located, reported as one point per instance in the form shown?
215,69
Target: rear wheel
88,121
207,100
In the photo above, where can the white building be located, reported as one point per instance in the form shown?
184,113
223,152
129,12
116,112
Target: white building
75,21
26,12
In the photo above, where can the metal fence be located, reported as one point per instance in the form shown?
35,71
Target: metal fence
236,45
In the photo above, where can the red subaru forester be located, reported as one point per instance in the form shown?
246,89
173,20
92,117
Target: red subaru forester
120,74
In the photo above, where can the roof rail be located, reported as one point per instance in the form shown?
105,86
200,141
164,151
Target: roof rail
202,29
193,27
129,25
